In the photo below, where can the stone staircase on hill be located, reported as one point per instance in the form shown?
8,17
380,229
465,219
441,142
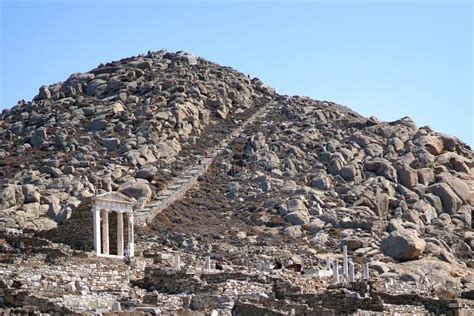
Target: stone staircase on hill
177,188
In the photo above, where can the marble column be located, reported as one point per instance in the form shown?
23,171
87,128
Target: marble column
105,232
131,239
119,233
335,271
366,271
208,264
351,272
177,262
328,263
96,219
344,261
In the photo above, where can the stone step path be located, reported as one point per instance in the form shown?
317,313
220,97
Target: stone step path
177,188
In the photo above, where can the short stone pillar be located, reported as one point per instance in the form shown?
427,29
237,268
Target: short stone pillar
351,272
116,307
177,262
335,271
328,263
366,271
207,268
345,268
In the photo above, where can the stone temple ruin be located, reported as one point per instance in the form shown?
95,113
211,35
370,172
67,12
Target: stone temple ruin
121,206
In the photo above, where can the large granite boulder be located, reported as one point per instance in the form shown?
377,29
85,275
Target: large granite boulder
451,202
403,245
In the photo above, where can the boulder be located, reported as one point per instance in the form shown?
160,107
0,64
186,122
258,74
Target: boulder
147,172
139,190
353,243
426,176
381,167
382,204
117,107
407,176
111,144
320,239
315,226
53,171
321,182
433,144
11,195
96,87
296,205
98,124
297,218
412,216
350,172
460,188
434,201
44,93
450,201
293,231
31,193
269,160
403,245
426,210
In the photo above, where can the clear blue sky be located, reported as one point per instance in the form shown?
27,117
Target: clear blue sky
388,59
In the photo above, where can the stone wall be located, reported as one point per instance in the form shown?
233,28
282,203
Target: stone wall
70,278
436,306
174,282
77,231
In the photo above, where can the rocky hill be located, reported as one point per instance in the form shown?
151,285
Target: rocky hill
284,176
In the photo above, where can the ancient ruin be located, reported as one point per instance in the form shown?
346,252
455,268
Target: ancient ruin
122,206
164,183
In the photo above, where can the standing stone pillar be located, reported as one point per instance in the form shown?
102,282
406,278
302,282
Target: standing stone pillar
96,219
105,232
335,271
344,261
131,239
208,264
119,233
351,272
366,271
177,262
328,263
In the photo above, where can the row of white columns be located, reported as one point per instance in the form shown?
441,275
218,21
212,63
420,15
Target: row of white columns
348,268
101,232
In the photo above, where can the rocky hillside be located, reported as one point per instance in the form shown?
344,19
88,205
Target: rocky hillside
123,126
311,174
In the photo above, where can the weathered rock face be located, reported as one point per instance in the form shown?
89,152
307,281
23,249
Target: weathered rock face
403,245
